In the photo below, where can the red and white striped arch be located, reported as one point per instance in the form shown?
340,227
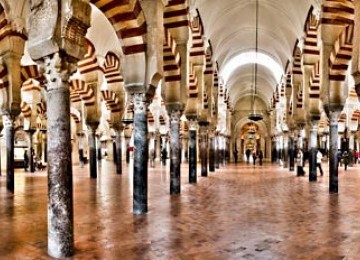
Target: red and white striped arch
176,14
111,101
112,69
89,63
128,21
86,93
171,61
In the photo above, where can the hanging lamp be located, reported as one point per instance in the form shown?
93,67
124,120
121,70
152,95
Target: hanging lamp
253,115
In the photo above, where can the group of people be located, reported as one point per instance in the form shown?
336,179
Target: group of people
37,164
301,158
344,157
255,155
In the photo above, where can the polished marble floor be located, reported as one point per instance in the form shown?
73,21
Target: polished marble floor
239,212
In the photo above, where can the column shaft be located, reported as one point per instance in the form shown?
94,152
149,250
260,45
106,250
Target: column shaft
127,152
192,157
286,150
92,152
9,134
291,154
313,153
212,155
333,161
118,153
60,203
114,152
140,196
216,151
203,145
175,180
32,164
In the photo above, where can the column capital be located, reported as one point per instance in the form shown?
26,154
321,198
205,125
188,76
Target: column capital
141,102
57,67
334,118
193,123
53,28
175,116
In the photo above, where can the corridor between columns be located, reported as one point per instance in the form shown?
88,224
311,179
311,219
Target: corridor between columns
238,212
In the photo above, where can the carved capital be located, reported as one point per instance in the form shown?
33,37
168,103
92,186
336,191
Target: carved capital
334,118
141,102
175,116
193,124
8,121
57,68
58,25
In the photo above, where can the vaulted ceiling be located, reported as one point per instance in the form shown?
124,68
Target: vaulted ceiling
230,26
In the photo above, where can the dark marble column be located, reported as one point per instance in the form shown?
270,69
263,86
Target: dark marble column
313,152
286,150
60,202
217,151
140,186
333,162
118,152
114,152
212,155
0,154
192,153
127,152
164,150
175,155
98,154
204,147
9,135
292,154
31,155
92,150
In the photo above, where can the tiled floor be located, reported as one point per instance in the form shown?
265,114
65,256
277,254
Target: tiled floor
239,212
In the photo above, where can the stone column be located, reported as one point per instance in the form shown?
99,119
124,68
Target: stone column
1,128
313,151
163,149
175,161
60,202
183,149
204,147
92,149
158,146
217,159
98,146
140,188
333,161
292,153
52,42
9,136
114,150
192,152
286,149
31,153
127,153
212,154
44,147
118,152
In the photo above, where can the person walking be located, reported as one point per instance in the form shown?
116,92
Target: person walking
300,163
346,159
319,157
254,157
26,160
261,156
247,153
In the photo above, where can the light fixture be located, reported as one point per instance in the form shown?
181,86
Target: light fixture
253,115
